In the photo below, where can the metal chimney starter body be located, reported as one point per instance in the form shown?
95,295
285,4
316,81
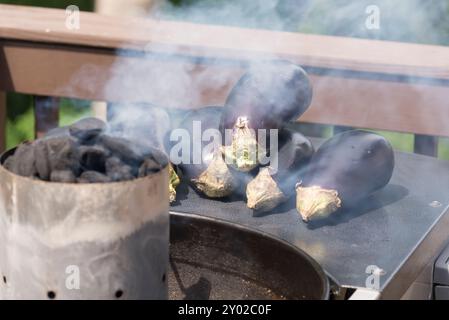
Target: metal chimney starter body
83,241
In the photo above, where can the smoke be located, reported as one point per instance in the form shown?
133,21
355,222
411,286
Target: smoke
410,20
173,80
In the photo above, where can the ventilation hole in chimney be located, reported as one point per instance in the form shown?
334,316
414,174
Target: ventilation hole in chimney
51,295
164,277
4,280
119,294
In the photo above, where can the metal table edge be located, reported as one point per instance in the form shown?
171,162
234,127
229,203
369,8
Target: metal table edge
430,246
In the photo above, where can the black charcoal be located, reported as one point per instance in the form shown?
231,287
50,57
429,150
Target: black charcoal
93,177
9,163
156,155
62,153
42,162
148,167
121,148
24,160
81,153
118,171
93,158
62,131
65,176
87,129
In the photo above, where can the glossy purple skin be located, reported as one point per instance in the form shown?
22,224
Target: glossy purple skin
268,95
356,163
295,151
294,155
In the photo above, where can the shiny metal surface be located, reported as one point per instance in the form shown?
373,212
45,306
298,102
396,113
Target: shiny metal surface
214,259
399,229
83,241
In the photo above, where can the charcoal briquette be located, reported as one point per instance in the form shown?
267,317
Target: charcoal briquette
122,174
93,177
82,150
24,163
117,170
93,158
65,176
148,167
42,162
122,148
157,155
113,163
9,163
61,131
87,129
62,153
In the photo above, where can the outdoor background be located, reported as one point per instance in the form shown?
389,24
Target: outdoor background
401,20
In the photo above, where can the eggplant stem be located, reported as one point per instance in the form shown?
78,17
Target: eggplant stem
315,200
217,180
263,193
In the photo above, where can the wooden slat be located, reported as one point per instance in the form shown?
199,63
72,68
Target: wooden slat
2,121
86,73
89,73
46,114
47,25
381,105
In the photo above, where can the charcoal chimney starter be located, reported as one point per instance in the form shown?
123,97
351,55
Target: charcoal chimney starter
83,241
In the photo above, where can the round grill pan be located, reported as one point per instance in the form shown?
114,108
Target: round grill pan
214,259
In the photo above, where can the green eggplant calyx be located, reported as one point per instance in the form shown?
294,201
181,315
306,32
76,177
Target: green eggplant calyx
311,201
263,193
217,180
173,183
243,153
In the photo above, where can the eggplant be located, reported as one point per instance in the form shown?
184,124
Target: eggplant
268,95
265,97
294,154
344,171
272,187
210,175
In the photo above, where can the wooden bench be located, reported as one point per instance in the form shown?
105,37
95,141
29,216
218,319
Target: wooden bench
357,83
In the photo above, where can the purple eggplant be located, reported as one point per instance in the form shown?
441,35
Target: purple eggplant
265,97
268,95
344,171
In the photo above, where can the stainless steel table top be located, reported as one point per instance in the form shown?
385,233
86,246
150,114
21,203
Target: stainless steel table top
399,229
